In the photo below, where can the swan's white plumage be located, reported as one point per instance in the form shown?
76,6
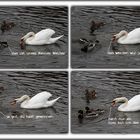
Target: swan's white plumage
41,97
41,38
40,100
45,34
132,37
132,105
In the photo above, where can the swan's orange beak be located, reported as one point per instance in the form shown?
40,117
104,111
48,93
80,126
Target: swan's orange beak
13,102
22,43
113,103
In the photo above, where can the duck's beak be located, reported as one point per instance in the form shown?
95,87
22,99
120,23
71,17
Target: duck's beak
113,103
13,102
22,43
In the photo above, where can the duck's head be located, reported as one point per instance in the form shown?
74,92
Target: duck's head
97,41
29,35
80,115
87,108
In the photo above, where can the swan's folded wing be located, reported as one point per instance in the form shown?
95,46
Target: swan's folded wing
41,97
45,34
134,102
134,36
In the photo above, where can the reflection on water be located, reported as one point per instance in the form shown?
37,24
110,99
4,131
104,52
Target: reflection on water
115,19
34,19
108,85
49,120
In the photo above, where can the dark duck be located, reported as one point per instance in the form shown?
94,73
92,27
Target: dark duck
94,111
95,25
90,95
90,113
88,45
80,116
86,114
5,26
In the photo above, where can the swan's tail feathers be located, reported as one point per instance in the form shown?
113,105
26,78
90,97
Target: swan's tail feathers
52,102
53,40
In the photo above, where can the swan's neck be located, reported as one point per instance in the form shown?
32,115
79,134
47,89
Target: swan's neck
28,40
28,37
124,105
121,36
122,39
24,98
24,101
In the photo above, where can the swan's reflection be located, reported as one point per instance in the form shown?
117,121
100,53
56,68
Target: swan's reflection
127,118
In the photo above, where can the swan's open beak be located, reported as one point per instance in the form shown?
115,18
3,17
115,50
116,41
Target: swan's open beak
13,102
113,103
22,43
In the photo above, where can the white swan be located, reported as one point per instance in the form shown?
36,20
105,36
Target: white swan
128,106
38,101
123,37
41,38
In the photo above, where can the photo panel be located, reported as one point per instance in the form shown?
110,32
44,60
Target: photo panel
33,102
105,37
33,37
105,102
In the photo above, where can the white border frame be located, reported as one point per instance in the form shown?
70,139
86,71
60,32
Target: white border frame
69,135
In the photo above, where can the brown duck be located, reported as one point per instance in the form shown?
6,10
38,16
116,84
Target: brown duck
5,26
90,95
96,25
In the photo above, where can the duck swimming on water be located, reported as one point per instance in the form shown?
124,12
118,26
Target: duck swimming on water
90,113
86,114
90,95
95,25
5,26
89,45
